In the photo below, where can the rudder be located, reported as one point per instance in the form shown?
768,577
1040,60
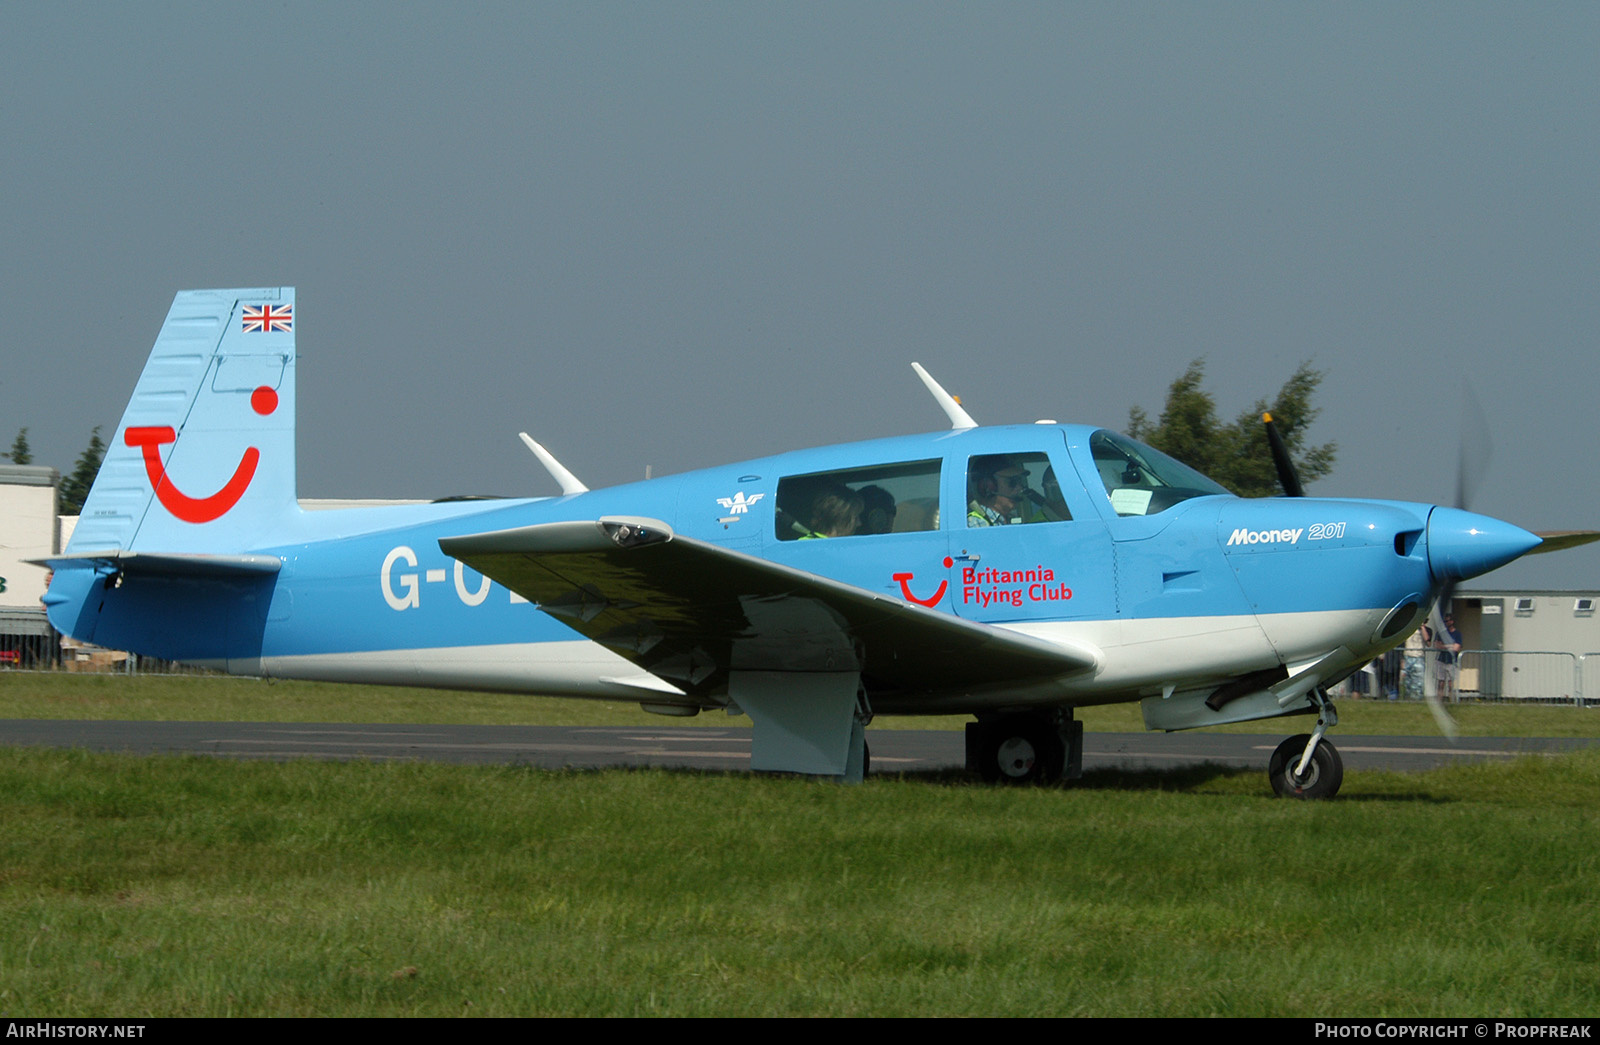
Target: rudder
204,457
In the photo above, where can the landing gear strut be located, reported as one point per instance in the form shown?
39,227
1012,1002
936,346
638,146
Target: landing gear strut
1307,766
1037,747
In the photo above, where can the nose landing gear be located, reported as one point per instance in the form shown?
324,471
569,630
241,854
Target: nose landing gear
1307,766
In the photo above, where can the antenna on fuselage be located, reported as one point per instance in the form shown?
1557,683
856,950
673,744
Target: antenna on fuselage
569,482
951,406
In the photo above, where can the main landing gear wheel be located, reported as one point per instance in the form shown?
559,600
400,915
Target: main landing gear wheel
1022,751
1323,774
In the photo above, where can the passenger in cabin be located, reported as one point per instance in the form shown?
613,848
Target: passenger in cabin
997,491
834,512
878,515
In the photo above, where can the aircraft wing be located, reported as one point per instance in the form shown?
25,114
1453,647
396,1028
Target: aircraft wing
691,611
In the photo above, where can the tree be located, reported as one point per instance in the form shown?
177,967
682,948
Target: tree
75,488
21,452
1237,455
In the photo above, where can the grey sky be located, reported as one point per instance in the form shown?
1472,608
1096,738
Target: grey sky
679,234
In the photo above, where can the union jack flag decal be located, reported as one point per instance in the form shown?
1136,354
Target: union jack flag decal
265,319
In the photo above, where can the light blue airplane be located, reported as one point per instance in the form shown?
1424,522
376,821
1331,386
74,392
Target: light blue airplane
1010,573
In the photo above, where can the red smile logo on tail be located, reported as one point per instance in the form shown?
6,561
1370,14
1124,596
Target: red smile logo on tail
198,509
905,588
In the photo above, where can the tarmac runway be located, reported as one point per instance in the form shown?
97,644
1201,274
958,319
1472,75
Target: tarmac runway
712,747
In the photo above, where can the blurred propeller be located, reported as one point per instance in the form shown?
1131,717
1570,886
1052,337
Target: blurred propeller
1288,478
1472,458
1441,717
1561,540
1472,461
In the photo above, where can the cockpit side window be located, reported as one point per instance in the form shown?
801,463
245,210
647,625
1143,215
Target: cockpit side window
858,502
1143,481
1010,489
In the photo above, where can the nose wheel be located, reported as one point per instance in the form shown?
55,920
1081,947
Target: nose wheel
1307,766
1321,776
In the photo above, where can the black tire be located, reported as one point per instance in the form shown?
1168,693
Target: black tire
1022,751
1323,775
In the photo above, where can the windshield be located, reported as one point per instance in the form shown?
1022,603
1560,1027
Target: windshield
1142,481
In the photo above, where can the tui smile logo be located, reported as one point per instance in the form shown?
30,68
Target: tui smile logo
263,401
905,587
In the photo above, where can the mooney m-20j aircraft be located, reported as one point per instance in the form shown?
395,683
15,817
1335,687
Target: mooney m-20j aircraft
1012,573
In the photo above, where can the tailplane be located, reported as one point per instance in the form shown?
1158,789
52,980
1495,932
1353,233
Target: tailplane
203,460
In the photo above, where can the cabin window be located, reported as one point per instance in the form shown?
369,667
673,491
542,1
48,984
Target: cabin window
1142,481
857,502
1008,489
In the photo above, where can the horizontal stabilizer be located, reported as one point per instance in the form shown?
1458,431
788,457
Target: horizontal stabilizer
691,612
166,564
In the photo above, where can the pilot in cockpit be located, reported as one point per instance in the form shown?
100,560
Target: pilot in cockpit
997,491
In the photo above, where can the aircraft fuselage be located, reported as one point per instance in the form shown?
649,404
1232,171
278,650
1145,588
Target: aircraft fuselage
1207,590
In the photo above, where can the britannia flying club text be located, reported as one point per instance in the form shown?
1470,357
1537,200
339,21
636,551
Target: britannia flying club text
1011,587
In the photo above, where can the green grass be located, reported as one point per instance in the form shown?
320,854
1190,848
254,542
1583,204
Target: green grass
217,699
135,887
211,698
173,886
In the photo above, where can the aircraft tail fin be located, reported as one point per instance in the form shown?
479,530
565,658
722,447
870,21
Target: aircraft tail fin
204,458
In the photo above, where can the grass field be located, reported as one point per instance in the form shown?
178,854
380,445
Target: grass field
192,886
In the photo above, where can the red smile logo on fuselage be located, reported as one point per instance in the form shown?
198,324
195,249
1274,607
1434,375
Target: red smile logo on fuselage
198,509
905,588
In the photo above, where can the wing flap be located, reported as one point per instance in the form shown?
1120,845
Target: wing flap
691,611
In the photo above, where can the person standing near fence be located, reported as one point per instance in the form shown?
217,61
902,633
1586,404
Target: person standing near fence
1446,668
1411,685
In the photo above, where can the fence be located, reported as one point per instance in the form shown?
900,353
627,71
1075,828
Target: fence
1488,676
45,650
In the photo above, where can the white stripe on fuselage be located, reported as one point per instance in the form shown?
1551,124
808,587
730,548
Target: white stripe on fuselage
567,668
1144,655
